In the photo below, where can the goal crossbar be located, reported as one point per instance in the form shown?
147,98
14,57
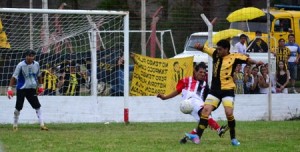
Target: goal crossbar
58,11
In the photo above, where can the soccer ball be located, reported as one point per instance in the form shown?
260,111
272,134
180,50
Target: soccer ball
186,106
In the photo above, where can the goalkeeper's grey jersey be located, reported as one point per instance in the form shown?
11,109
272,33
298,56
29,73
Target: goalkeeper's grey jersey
27,75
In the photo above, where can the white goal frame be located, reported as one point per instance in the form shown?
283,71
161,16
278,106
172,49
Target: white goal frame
161,34
93,43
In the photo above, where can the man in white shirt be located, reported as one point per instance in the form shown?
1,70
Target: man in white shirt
241,46
293,60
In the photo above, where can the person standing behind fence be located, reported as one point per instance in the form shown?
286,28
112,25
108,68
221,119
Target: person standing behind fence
238,77
117,82
50,80
247,79
27,78
293,60
258,44
282,53
241,45
282,78
254,84
72,81
264,80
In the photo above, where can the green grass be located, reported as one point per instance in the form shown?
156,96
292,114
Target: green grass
143,137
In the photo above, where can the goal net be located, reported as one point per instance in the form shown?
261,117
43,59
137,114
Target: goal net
68,44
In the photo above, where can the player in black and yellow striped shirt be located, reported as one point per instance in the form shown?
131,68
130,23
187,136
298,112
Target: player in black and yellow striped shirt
222,87
282,53
72,81
50,80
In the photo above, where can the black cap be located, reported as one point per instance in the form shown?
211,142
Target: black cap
49,66
258,32
73,64
29,52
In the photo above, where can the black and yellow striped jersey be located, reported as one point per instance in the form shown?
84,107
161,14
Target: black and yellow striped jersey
223,69
282,54
72,83
49,80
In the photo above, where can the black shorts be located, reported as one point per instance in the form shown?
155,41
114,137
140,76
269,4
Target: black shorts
30,95
215,97
222,93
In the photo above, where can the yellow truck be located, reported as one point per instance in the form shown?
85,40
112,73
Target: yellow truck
284,20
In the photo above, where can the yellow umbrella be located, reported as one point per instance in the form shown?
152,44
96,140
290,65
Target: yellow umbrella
1,25
225,34
4,45
245,14
3,40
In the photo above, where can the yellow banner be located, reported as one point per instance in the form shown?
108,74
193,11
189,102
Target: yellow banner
152,75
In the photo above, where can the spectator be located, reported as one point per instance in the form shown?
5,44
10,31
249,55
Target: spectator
282,53
293,60
110,71
264,80
247,79
117,88
50,80
238,80
258,44
254,84
241,45
72,80
282,78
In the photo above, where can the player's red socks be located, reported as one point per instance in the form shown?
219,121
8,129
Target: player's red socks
213,124
194,131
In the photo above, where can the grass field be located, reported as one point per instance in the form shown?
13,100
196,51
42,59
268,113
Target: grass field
147,137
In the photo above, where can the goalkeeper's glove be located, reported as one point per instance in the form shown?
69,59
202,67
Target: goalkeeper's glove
10,93
41,89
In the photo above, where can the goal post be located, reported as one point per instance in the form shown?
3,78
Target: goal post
70,41
65,37
165,42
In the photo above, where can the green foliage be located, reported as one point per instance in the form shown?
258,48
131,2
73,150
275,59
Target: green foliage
180,17
113,5
254,136
273,2
74,4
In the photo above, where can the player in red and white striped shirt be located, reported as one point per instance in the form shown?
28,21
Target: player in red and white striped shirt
195,88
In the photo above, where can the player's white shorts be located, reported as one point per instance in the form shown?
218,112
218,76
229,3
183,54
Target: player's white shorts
197,104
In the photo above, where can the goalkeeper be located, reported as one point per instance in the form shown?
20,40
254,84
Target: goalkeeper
27,78
196,88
